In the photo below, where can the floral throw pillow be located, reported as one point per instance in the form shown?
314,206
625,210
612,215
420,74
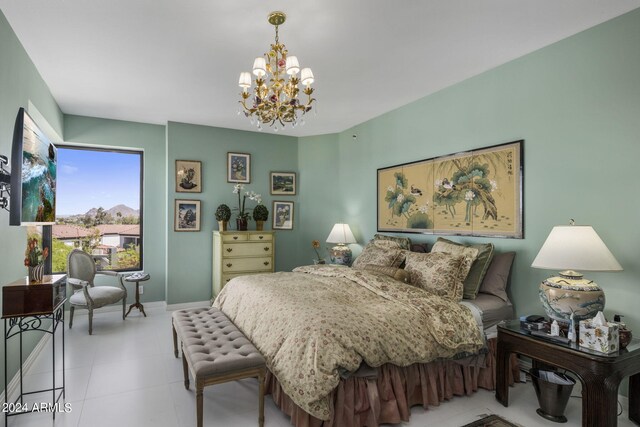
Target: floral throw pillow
469,253
380,252
437,272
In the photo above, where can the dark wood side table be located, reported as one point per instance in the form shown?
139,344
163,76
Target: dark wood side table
137,278
599,373
29,307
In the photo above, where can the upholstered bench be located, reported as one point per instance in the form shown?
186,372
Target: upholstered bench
215,351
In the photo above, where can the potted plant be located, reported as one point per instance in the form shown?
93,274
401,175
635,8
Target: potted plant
223,215
34,259
260,215
243,215
318,260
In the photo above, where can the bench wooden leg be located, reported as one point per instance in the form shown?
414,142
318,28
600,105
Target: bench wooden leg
175,340
199,409
261,399
185,370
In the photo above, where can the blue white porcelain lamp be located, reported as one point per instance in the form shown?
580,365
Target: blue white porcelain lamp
570,248
342,235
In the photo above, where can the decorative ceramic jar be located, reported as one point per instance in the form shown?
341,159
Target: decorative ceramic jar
569,293
36,273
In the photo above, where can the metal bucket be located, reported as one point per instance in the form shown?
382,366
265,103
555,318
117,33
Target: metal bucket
553,394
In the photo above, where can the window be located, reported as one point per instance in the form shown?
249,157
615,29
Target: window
98,207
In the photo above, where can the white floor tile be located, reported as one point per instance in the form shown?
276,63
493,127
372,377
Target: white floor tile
125,374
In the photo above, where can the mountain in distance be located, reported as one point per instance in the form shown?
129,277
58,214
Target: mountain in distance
124,210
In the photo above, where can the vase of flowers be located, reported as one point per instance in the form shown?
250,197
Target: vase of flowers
242,215
34,260
260,215
223,215
318,260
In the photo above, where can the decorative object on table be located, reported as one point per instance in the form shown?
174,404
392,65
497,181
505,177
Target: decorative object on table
188,176
315,244
223,215
282,215
275,100
81,272
553,390
475,193
34,259
342,235
573,247
187,215
260,215
239,167
599,335
242,214
283,183
625,334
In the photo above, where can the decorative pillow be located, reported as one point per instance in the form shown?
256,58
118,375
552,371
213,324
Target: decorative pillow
396,273
403,242
380,252
497,278
469,253
437,272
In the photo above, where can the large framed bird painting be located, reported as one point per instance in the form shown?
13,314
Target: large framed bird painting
474,193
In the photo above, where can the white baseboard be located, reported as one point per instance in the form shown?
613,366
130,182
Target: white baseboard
112,308
14,384
186,305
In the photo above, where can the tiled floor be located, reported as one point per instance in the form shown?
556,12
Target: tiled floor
126,375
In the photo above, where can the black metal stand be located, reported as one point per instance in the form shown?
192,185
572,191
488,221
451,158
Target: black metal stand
16,326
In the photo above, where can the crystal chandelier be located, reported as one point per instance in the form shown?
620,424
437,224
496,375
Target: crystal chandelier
275,98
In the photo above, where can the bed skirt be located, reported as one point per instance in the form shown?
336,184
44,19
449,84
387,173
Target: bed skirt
387,395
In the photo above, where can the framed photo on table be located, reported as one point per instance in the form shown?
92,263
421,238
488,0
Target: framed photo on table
282,215
187,215
283,183
188,176
239,167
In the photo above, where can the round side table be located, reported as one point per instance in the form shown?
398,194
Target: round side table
137,278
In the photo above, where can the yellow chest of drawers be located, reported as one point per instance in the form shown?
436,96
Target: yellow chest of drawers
238,253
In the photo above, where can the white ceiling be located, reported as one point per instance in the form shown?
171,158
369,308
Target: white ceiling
155,61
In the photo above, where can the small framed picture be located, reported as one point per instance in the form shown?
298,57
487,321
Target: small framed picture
283,183
282,215
187,215
239,167
188,176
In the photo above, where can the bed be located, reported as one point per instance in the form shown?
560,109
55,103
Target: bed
355,347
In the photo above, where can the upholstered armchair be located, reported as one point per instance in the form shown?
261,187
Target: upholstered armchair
81,271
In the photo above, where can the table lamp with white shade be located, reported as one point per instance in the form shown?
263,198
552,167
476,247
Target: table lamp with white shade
570,248
342,235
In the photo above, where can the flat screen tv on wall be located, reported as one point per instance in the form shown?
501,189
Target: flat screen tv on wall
33,174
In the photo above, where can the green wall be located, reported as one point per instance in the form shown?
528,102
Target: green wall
20,86
189,253
150,139
577,105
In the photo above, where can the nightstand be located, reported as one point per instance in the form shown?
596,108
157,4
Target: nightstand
599,373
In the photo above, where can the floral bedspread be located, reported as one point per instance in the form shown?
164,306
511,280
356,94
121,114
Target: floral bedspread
318,321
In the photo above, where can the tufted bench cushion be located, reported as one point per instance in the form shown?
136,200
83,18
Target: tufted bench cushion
215,351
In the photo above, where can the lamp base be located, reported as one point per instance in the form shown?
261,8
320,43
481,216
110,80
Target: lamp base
341,254
569,293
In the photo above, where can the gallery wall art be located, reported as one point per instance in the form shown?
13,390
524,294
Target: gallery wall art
474,193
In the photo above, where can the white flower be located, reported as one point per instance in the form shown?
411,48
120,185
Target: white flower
494,185
400,197
469,195
238,188
423,209
438,183
448,186
390,188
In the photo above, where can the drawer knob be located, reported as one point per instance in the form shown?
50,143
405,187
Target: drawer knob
266,248
229,264
266,263
260,237
229,250
235,237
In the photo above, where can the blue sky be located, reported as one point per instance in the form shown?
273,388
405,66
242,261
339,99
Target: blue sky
90,179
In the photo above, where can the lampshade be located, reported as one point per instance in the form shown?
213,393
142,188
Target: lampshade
259,67
575,247
245,80
341,233
293,67
306,76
